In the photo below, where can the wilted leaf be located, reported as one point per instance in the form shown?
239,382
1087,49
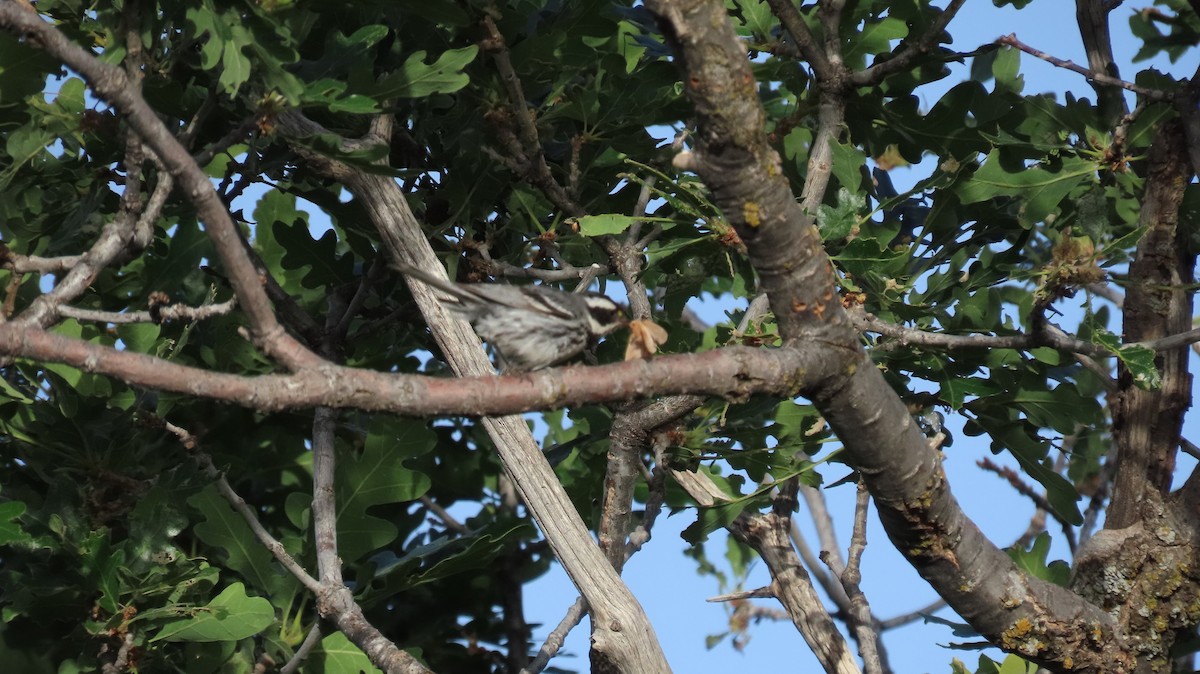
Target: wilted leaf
645,336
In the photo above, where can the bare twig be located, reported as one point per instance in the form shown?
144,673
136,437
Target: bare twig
789,17
1092,76
760,593
862,622
170,312
192,445
310,642
875,74
912,616
1039,501
445,517
554,642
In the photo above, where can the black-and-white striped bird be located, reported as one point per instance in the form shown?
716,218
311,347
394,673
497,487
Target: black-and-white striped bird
530,327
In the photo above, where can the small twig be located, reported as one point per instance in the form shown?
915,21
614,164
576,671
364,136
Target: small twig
834,589
760,593
912,616
860,611
1106,292
445,517
639,211
1092,76
310,642
227,141
866,322
556,638
192,445
823,522
375,272
197,121
1039,501
875,74
791,20
657,485
1014,479
1189,448
170,312
26,264
537,171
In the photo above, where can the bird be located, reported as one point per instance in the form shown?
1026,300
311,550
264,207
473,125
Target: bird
529,327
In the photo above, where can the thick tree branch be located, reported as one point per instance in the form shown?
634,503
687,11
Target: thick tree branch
335,601
767,534
623,634
1146,424
118,238
902,472
732,372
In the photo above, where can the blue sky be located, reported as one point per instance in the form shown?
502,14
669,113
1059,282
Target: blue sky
673,594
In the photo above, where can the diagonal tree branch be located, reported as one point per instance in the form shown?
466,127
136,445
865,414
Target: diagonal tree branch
623,636
112,85
918,512
911,52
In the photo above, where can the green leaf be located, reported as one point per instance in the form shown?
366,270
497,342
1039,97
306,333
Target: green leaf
377,477
836,223
1033,562
336,655
1005,69
610,223
848,161
11,531
1139,359
224,528
447,556
139,337
876,38
230,616
416,79
235,68
1039,189
1015,665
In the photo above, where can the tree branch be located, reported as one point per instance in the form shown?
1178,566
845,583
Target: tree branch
202,459
767,534
1091,75
791,20
861,620
1146,424
110,84
881,440
632,645
875,74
